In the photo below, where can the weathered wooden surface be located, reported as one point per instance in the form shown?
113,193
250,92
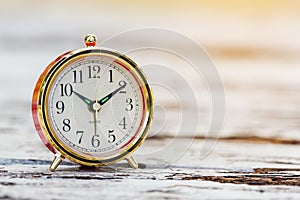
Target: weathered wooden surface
234,170
256,51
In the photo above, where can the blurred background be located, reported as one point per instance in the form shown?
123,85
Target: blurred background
255,46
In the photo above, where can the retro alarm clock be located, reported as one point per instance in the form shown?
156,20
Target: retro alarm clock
92,106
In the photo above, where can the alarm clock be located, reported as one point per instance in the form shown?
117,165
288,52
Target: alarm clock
92,106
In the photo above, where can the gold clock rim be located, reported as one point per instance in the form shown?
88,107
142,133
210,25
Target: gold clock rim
58,66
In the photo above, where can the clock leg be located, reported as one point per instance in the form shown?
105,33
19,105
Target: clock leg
132,162
56,161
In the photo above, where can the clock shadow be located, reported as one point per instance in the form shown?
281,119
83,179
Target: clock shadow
106,168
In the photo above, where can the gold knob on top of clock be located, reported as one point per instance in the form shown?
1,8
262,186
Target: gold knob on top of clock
90,40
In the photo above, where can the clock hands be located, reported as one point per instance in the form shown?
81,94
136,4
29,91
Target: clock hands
95,106
89,102
110,95
95,122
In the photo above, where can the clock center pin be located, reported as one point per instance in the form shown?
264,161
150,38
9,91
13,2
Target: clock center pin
96,106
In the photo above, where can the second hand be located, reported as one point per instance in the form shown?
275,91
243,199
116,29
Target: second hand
96,107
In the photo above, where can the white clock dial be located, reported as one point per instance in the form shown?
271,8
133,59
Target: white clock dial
96,106
93,106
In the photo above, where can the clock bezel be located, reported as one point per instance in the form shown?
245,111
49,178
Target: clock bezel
41,117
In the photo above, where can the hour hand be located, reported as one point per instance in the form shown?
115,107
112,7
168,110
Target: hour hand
83,98
110,95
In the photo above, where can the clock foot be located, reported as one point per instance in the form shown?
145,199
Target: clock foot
56,161
132,162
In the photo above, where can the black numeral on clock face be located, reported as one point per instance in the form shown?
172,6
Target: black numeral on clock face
111,136
80,133
77,76
122,83
123,123
66,125
60,106
66,90
129,104
95,141
110,76
94,71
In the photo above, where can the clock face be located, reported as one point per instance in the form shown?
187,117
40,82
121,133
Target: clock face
96,106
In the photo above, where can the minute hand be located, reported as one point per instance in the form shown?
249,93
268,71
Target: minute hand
110,95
